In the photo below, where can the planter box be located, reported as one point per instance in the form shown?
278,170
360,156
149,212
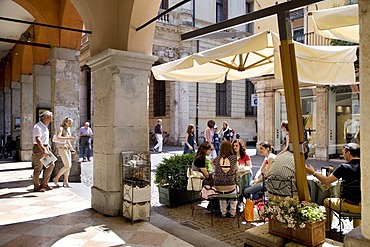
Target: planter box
138,211
136,194
312,235
174,198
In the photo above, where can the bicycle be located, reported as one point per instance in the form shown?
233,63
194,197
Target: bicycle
152,138
166,137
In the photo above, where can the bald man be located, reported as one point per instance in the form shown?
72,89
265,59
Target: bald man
85,138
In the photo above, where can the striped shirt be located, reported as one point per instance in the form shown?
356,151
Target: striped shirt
283,167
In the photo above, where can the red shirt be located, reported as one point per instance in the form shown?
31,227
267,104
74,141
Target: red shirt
243,160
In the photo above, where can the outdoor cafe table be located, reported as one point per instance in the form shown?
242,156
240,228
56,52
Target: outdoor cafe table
318,193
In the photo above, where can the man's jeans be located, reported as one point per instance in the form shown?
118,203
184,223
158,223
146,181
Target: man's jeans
85,144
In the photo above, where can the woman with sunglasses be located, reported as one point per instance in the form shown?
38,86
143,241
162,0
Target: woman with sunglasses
65,150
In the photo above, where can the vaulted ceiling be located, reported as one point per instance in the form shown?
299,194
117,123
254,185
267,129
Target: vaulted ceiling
12,30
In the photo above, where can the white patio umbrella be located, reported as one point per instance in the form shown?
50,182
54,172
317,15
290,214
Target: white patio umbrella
254,53
259,55
337,23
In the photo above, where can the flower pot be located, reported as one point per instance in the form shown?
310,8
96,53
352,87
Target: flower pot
312,235
174,198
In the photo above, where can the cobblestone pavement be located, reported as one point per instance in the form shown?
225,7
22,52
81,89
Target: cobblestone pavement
224,229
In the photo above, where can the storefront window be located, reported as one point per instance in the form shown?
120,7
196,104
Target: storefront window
308,103
347,116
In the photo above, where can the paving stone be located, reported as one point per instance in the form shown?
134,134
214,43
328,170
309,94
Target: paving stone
260,236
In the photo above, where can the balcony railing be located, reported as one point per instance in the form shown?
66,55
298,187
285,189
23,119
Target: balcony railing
165,18
315,39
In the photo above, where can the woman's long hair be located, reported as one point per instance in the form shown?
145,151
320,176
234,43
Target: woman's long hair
226,149
189,129
285,125
203,149
64,122
241,147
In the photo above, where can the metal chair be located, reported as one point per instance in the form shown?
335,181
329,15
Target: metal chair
229,196
276,183
341,214
279,185
194,179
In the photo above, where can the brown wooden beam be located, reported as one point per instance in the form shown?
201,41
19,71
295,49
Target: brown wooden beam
24,43
293,102
282,7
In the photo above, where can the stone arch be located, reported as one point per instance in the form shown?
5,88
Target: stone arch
117,30
70,18
59,13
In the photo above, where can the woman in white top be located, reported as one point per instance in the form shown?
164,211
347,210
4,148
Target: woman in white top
265,150
64,149
253,191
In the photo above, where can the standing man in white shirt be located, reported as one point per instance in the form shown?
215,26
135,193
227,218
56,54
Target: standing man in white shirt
41,148
158,131
85,138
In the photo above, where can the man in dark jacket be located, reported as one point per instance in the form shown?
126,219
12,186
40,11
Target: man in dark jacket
349,172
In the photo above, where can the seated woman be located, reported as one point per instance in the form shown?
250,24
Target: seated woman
265,150
244,164
200,162
224,177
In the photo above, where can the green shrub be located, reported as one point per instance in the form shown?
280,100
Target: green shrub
171,172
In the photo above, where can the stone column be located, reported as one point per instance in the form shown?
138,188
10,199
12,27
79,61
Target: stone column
65,89
179,114
322,124
41,88
7,111
121,122
174,111
364,12
16,107
184,112
265,112
27,122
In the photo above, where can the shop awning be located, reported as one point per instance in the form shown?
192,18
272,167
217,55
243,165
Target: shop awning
337,23
259,55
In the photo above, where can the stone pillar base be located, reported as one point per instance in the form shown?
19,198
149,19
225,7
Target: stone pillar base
75,173
355,239
106,202
25,155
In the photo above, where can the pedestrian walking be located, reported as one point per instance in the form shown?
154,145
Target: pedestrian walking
41,148
189,140
158,131
65,150
86,134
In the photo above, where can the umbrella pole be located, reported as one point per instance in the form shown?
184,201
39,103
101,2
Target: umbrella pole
293,102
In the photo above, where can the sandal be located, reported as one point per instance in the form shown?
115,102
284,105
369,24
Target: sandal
67,186
56,183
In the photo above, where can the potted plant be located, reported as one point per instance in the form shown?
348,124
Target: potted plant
171,179
303,222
